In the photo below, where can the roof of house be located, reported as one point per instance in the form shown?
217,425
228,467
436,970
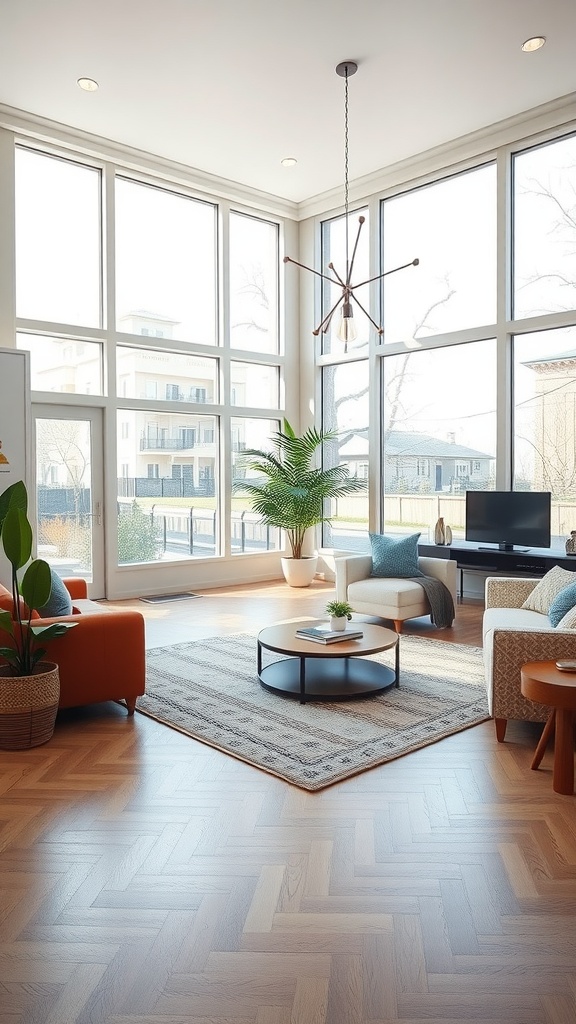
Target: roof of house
559,357
405,442
408,442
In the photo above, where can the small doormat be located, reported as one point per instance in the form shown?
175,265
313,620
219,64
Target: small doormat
163,598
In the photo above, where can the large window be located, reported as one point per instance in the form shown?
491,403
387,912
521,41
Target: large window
58,240
165,264
545,229
63,364
338,242
166,376
450,227
192,362
253,284
446,424
439,434
248,533
167,486
165,300
345,401
545,420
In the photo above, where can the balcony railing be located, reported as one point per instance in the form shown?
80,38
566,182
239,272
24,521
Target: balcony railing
172,444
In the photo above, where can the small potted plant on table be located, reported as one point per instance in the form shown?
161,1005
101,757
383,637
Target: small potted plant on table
340,613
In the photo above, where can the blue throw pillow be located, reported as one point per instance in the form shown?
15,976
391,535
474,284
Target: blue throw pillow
59,602
562,603
395,556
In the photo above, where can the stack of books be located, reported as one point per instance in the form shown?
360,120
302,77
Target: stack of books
322,634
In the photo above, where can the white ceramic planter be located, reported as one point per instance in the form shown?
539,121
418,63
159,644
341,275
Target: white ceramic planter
338,623
299,572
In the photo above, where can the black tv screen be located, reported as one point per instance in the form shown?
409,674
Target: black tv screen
508,518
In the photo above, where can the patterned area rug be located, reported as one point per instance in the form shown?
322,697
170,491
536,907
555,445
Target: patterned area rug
210,690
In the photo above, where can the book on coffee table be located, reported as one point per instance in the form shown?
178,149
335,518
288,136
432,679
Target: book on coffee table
325,635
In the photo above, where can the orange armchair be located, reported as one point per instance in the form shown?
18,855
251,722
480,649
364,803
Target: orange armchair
103,657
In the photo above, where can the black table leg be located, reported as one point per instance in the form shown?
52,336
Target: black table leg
302,680
397,662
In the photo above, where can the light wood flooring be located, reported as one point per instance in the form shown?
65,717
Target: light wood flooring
148,879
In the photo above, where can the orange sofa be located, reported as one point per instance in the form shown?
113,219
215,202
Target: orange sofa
102,658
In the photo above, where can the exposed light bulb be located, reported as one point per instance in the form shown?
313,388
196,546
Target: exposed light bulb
347,328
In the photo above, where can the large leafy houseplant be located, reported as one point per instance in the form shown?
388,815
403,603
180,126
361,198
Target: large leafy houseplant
30,591
290,491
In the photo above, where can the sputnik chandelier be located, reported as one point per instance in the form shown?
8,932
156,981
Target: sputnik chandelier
347,329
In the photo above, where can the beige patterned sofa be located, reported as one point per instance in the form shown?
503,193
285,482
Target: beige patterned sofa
512,636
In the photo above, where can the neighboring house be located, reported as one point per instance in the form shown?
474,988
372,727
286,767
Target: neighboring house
554,423
155,444
418,463
151,444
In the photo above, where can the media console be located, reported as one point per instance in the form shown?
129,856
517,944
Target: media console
476,558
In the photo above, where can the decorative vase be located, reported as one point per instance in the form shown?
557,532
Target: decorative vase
299,572
571,543
28,706
338,623
440,532
448,534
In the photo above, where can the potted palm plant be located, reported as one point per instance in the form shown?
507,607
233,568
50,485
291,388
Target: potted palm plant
290,492
29,686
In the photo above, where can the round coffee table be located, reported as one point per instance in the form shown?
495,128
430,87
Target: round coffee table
542,682
327,671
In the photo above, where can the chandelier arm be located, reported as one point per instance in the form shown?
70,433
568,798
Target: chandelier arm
339,279
327,323
378,327
328,316
351,267
333,280
413,263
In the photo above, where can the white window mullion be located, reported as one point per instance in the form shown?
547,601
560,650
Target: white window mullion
504,248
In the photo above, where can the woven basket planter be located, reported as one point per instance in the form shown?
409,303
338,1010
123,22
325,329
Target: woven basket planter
28,706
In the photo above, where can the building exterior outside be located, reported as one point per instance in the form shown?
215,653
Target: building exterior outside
418,463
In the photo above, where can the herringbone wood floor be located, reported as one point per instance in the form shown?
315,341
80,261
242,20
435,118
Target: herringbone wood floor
148,879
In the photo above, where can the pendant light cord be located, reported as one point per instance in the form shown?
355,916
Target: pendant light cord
346,170
347,331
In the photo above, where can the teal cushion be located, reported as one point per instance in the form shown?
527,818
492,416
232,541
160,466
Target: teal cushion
395,556
562,603
59,602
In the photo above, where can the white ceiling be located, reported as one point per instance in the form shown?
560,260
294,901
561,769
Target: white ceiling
230,87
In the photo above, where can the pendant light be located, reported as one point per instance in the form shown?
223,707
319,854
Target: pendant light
347,330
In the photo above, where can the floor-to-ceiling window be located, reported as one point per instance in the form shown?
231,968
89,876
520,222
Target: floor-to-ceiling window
166,308
161,308
473,381
544,359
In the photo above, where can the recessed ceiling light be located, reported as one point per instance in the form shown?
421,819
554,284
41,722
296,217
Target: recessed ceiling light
289,161
534,43
88,84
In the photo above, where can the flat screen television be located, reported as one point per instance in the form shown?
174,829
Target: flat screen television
508,518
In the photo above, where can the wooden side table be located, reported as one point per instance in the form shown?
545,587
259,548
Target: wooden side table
542,682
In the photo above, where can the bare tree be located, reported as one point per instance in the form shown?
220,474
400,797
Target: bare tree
562,210
254,287
61,442
551,431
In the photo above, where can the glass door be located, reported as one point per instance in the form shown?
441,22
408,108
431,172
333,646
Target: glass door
69,492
